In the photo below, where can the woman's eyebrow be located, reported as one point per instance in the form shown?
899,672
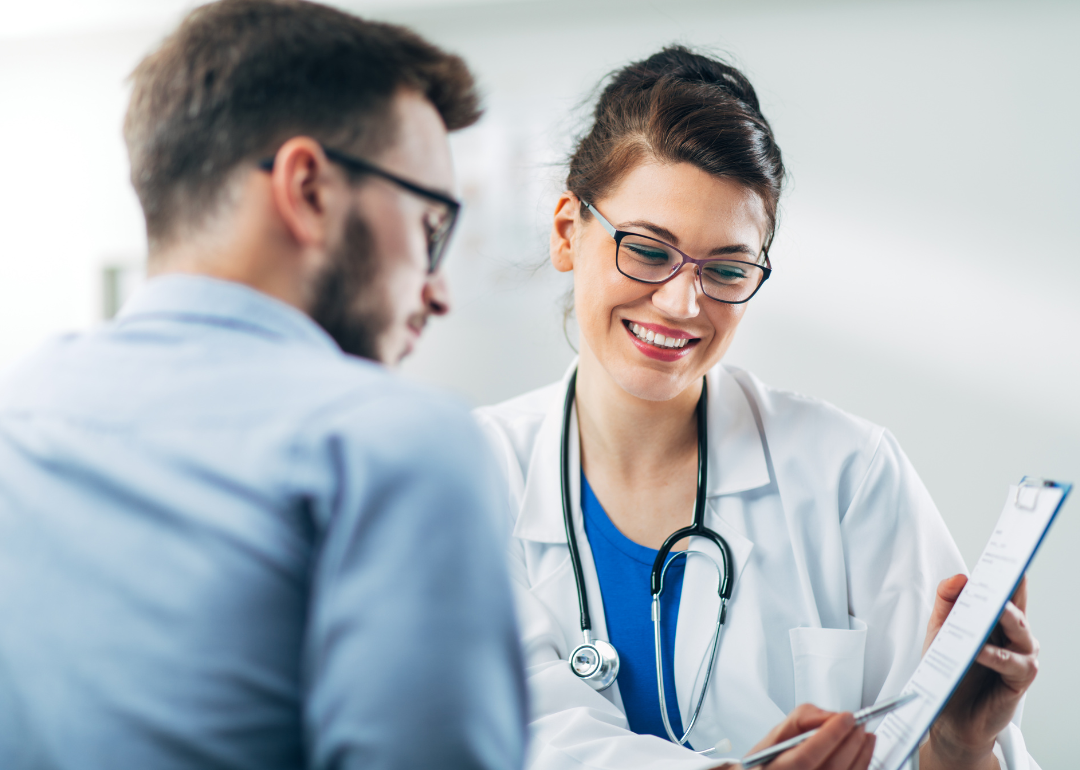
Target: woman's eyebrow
660,232
736,248
669,237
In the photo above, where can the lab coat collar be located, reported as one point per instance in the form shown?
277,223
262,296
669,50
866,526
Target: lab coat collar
201,299
736,457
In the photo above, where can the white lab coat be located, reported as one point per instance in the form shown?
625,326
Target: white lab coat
837,551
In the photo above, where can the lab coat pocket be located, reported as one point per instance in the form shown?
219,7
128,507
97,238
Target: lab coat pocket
829,665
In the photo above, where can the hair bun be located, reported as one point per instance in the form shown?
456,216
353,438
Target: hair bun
678,106
680,63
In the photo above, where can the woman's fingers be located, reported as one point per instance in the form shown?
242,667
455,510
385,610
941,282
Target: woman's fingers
1019,598
947,592
1017,671
801,719
1019,662
817,751
849,754
866,754
1014,623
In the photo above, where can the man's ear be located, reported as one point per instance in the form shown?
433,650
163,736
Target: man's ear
563,231
305,192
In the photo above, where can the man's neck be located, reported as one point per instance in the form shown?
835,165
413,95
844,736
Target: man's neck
238,257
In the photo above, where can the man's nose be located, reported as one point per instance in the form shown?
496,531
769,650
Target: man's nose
678,298
436,294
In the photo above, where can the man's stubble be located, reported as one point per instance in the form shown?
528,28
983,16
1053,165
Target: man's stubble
349,302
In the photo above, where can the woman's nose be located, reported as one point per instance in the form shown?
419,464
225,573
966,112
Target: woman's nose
678,297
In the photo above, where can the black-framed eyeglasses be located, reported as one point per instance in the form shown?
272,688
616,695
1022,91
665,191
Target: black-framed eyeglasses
649,260
438,229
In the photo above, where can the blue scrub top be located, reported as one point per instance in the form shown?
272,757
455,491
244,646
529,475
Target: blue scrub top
624,569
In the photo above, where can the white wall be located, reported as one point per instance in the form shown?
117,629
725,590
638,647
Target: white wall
926,273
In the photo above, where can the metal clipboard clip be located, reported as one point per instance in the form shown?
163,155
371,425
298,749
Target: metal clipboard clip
1027,492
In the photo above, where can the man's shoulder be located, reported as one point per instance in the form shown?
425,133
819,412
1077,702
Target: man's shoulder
353,394
111,376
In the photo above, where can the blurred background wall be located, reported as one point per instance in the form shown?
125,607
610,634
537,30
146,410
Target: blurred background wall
926,268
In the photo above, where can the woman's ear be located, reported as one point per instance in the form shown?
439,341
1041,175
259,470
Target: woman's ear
563,229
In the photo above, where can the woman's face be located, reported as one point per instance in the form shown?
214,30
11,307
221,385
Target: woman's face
690,209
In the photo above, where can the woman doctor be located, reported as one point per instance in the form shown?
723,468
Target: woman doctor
812,528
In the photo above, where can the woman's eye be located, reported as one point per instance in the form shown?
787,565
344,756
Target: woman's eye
725,273
644,252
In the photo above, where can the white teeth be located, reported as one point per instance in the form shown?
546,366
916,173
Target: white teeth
657,339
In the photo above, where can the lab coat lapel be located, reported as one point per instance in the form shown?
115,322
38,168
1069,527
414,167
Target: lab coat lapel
736,464
824,579
540,518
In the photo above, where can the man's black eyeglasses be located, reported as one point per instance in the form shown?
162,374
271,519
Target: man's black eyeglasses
439,229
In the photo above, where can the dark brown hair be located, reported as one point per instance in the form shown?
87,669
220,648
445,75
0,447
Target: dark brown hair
679,106
239,77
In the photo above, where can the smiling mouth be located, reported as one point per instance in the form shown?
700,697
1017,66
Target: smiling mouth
650,337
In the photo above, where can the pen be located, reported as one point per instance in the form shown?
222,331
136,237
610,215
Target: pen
861,717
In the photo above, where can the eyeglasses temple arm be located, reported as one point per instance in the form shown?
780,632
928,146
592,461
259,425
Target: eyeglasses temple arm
603,222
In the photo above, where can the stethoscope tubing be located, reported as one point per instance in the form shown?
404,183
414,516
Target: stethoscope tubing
711,654
659,569
571,536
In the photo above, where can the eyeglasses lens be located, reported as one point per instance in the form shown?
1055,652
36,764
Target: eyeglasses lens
440,227
650,261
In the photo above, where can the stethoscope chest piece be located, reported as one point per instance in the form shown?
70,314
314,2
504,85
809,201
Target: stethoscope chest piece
596,662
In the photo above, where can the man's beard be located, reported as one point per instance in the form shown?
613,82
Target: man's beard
348,302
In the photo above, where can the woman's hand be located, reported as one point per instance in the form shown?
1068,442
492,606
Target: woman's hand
984,703
839,743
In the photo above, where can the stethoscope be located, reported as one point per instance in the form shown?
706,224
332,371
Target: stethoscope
596,661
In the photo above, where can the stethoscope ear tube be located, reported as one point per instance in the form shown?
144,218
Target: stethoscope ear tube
596,662
568,519
698,528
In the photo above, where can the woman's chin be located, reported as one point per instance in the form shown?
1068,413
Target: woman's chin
650,385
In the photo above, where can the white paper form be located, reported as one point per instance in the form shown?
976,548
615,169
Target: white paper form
1028,513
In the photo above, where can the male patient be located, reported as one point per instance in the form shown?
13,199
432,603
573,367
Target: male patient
225,542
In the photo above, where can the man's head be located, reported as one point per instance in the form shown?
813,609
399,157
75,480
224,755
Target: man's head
306,87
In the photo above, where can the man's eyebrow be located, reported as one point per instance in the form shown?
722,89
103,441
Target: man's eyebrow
669,237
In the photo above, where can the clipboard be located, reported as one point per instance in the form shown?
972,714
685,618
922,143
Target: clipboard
1030,509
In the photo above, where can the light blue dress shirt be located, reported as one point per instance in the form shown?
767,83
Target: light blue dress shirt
226,544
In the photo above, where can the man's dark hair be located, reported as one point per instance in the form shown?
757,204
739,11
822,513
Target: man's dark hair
240,77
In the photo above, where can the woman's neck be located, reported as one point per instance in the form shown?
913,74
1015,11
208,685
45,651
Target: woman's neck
631,437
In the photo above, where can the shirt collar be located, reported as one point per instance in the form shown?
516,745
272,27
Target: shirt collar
201,299
736,457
